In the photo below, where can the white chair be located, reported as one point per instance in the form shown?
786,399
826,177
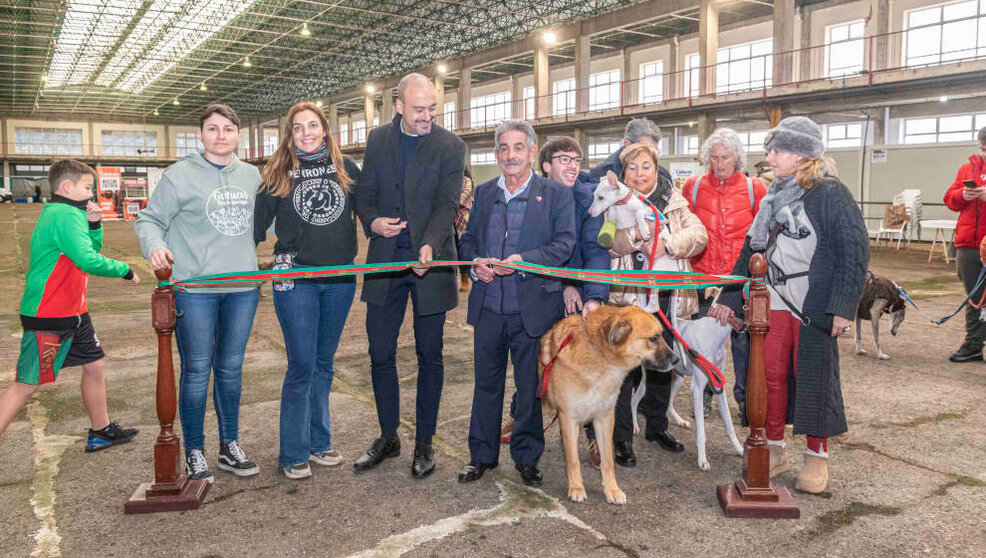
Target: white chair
911,198
889,233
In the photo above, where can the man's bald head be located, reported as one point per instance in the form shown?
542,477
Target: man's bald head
416,103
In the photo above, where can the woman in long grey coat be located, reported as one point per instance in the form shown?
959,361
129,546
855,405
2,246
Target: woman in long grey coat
813,236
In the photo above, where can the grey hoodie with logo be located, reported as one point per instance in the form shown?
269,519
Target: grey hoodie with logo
204,216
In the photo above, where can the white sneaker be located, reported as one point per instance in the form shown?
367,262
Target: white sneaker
297,471
329,458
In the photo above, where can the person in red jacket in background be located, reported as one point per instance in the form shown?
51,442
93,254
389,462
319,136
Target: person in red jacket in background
967,195
726,201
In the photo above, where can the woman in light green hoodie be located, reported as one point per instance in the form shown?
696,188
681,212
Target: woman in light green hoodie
200,220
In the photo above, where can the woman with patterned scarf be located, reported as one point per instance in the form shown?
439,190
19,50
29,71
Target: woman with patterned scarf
813,236
308,192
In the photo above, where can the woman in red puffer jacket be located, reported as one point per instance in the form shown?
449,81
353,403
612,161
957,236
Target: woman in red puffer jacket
726,201
970,202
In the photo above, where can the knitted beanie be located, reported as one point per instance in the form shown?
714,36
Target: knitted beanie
798,135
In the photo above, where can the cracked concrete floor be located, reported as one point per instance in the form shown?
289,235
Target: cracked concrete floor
907,480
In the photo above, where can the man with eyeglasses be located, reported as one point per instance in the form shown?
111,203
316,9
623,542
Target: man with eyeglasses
560,160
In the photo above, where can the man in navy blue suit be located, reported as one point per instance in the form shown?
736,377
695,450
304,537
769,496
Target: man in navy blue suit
518,216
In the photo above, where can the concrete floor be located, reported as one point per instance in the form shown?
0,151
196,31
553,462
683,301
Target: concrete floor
908,479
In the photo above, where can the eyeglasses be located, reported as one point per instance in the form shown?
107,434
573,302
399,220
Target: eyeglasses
568,160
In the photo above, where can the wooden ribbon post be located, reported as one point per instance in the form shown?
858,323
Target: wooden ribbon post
753,495
171,489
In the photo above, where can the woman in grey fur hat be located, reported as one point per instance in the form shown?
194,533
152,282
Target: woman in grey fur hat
817,248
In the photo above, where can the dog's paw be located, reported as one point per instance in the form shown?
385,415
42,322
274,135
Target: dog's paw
860,351
703,464
616,496
576,494
883,356
682,423
636,430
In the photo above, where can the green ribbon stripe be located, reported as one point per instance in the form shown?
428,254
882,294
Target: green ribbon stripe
628,278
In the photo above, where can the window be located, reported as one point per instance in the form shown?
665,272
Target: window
187,143
489,110
47,141
652,82
744,67
843,135
359,131
752,141
271,138
604,90
844,49
563,97
344,134
482,158
688,144
960,127
243,149
604,149
448,115
691,74
530,109
125,143
944,33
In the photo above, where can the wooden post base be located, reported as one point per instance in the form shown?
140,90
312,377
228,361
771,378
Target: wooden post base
736,500
186,495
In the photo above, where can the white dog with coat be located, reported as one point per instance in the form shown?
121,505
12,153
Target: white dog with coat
704,335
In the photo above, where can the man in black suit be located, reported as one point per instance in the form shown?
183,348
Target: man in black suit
407,198
519,216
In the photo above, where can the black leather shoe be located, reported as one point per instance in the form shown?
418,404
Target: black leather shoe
666,441
424,459
474,471
381,448
744,422
966,354
530,474
623,454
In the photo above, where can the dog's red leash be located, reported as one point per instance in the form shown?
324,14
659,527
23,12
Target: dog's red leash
715,376
544,381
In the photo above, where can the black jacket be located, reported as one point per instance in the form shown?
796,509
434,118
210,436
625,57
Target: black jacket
428,192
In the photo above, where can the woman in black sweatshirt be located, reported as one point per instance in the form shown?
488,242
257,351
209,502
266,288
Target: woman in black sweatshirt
308,192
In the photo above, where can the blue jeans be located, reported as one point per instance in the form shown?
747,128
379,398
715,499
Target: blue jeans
212,334
312,316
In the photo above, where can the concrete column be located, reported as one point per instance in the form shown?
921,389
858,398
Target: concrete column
463,98
784,26
708,44
166,144
808,68
706,124
257,137
387,108
583,139
7,181
332,115
879,126
542,83
369,106
879,24
440,99
583,55
516,99
671,75
631,85
4,148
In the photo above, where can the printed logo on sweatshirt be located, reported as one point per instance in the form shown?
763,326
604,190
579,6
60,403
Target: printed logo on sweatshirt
229,211
319,201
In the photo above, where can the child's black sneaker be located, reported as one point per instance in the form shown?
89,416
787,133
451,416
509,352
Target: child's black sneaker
232,459
196,467
108,436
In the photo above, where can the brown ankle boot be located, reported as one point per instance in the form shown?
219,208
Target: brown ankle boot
463,283
778,459
814,474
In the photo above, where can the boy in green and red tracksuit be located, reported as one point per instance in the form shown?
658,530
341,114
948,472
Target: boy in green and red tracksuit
57,329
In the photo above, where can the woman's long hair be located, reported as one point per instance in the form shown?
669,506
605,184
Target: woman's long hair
811,171
277,173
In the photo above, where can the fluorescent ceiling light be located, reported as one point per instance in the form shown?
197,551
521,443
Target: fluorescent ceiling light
167,32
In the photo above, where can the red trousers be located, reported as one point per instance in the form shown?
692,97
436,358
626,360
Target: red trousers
780,356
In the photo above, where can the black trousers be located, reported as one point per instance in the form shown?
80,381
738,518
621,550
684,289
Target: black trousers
968,264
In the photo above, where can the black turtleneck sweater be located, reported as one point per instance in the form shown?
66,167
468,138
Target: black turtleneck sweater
315,220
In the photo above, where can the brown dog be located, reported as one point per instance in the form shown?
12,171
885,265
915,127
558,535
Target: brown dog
585,380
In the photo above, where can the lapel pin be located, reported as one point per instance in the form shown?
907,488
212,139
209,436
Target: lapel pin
538,198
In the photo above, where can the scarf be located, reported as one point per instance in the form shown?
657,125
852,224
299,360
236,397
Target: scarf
320,154
782,192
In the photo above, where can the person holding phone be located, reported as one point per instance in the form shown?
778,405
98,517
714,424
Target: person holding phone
967,195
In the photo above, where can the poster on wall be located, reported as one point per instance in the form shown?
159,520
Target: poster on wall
878,156
109,193
134,196
680,172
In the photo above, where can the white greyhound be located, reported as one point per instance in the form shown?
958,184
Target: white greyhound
627,208
708,338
